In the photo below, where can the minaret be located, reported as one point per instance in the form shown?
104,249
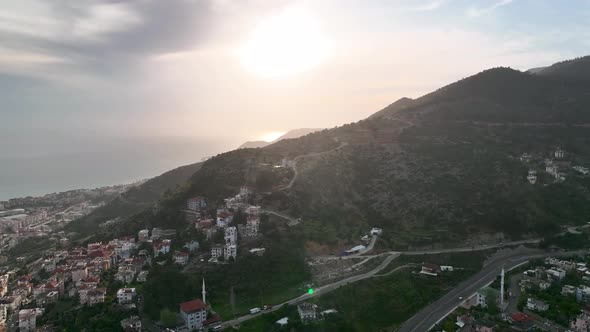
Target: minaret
204,292
502,288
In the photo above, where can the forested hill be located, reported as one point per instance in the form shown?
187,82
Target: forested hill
444,167
136,199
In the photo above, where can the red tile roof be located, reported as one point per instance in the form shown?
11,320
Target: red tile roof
192,306
520,317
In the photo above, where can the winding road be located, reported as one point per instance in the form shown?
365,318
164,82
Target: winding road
439,309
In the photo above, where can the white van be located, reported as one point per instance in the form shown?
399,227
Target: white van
254,311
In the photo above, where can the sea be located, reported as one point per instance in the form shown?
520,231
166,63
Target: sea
37,167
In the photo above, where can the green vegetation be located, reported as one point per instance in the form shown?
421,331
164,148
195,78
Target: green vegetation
567,241
267,322
273,278
69,316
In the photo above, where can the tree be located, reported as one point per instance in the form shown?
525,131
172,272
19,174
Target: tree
167,318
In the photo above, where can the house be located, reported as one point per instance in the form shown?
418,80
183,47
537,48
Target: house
581,323
95,296
480,298
196,203
568,290
27,320
556,273
180,257
376,231
430,269
131,324
583,294
143,235
252,226
307,312
536,305
161,247
521,321
559,153
142,276
192,246
532,176
258,251
125,295
194,313
355,250
580,169
231,235
216,252
230,250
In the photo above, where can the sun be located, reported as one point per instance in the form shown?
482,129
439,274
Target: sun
286,44
270,137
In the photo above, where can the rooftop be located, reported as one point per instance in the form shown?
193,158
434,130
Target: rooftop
192,306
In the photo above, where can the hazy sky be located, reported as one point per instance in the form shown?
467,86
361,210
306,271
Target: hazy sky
244,68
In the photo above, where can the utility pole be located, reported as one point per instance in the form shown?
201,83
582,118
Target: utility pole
502,289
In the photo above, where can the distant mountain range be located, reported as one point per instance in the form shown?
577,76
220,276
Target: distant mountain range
295,133
442,168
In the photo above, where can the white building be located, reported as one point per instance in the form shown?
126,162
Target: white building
376,231
125,295
537,305
142,276
161,247
581,169
27,320
230,250
231,235
559,153
307,312
216,252
532,177
180,257
556,273
194,313
143,235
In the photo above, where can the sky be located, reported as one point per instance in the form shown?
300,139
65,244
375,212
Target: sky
242,69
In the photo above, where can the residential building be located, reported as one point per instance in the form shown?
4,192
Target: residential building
252,226
580,169
231,235
568,290
532,176
230,250
581,323
143,235
95,296
536,305
559,153
430,269
131,324
196,203
258,251
192,246
180,257
142,276
216,252
161,247
307,312
125,295
583,294
194,313
27,320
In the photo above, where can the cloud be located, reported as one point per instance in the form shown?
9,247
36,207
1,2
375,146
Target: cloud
479,11
432,5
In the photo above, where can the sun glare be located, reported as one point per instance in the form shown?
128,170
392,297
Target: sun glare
269,137
288,43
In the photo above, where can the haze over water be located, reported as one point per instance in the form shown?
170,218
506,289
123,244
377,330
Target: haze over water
60,163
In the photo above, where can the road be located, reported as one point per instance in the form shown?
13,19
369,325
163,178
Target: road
318,291
292,221
315,154
473,248
438,310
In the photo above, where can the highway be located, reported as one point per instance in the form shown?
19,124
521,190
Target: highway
438,310
318,291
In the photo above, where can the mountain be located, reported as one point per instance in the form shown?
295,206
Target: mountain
136,199
576,69
295,133
442,168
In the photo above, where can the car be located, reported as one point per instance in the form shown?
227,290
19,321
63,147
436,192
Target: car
460,297
217,328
